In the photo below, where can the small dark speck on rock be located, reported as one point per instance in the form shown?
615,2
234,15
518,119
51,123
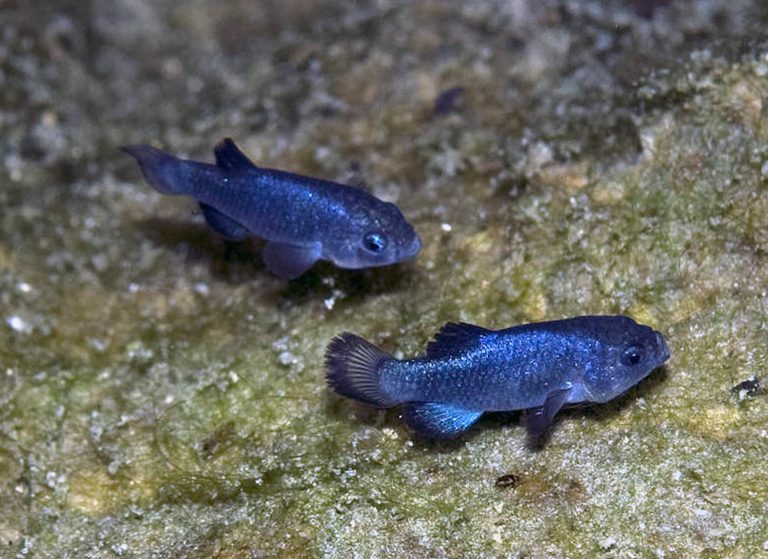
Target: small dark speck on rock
646,8
749,387
449,100
507,480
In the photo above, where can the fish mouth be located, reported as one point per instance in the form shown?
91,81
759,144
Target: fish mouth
663,349
411,249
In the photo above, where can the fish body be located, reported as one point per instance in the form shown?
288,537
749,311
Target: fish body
303,219
469,370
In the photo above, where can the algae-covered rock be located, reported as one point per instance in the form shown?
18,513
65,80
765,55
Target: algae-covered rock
161,395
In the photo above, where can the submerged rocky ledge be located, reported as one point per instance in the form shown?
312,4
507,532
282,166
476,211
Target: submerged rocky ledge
161,394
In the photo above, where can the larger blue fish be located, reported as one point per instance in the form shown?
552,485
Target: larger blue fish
469,370
303,219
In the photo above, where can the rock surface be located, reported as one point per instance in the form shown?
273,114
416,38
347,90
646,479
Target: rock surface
162,395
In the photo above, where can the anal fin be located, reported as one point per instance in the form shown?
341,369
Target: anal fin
438,420
290,261
222,224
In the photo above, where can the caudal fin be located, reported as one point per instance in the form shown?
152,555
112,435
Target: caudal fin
160,169
353,369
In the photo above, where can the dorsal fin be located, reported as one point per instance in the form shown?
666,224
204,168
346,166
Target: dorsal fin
455,337
229,157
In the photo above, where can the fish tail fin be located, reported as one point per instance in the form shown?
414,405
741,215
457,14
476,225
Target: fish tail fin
353,369
160,169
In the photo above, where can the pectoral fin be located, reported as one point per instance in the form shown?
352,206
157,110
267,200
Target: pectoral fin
539,419
438,420
290,261
223,225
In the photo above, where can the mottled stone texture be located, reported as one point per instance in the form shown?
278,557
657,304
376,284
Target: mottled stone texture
161,395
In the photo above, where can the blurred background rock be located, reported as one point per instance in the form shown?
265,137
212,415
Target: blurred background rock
162,395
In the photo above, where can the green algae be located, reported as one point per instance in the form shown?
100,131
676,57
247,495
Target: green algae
162,395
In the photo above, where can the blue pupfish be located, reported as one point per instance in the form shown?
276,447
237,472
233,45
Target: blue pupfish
303,219
469,370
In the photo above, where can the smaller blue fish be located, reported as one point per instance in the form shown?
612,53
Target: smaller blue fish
303,219
469,370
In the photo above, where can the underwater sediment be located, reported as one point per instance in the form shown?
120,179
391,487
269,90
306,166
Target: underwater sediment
162,394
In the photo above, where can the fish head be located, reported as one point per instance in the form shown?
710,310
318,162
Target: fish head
628,353
377,235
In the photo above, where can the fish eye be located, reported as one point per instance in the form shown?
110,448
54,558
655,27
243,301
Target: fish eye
374,242
632,355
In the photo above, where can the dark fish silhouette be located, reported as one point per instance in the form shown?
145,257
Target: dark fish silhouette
469,370
303,219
